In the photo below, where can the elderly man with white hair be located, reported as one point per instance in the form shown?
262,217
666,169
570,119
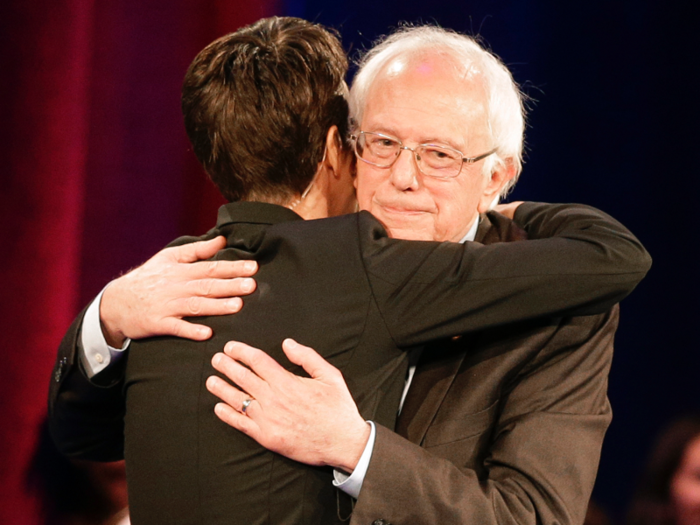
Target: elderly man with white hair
503,425
509,432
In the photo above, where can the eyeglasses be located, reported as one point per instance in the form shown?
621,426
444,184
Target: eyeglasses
382,150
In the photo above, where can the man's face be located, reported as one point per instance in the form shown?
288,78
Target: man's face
419,102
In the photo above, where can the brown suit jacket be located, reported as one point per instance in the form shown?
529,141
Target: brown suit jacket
87,421
509,432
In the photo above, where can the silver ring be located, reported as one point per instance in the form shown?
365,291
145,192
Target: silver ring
246,404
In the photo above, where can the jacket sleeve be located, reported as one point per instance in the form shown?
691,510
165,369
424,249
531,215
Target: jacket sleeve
577,261
537,460
85,418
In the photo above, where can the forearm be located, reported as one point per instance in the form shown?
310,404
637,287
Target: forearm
580,262
616,249
408,484
529,457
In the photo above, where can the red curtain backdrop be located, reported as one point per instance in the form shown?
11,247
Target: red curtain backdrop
97,176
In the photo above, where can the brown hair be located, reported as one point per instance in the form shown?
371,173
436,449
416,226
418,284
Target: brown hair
651,504
258,104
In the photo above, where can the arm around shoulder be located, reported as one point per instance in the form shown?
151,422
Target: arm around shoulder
618,250
575,261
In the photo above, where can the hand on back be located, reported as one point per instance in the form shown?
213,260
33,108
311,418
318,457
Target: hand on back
175,283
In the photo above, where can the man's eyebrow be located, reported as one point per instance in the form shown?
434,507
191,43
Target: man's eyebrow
437,140
383,130
442,141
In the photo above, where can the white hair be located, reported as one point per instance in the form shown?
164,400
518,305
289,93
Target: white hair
505,108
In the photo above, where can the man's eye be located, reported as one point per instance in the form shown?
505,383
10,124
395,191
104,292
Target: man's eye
383,143
438,154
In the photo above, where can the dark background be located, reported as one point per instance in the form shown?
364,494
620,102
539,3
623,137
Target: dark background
97,173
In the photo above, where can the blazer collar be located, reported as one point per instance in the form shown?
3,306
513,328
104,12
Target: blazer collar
441,361
254,213
431,382
495,227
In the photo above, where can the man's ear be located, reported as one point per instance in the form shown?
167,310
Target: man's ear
501,175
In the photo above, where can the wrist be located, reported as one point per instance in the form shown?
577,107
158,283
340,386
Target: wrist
109,319
353,446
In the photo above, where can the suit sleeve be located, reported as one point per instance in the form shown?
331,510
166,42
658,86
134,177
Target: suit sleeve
539,457
85,417
578,261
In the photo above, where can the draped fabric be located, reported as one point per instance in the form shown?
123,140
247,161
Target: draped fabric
89,105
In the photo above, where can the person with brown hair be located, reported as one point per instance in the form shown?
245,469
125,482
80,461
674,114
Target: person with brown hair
341,284
669,490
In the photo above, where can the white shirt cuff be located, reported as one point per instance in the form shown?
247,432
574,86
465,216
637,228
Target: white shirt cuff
96,354
352,484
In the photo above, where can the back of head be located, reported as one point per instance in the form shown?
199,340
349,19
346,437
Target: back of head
258,103
506,113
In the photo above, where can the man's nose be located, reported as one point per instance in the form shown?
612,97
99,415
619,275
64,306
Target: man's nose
404,171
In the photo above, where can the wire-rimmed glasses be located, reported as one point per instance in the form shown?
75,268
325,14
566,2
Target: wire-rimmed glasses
433,160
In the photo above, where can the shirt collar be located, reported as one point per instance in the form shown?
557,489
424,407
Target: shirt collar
471,234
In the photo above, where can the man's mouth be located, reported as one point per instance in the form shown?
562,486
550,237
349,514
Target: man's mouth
404,211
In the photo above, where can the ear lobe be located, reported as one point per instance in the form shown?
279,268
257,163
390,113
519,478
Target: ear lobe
498,179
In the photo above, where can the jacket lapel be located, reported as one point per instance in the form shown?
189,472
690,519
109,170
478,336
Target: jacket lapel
440,362
430,385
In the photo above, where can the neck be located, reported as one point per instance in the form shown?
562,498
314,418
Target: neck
312,204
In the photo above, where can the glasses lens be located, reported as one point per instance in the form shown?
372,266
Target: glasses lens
439,162
377,149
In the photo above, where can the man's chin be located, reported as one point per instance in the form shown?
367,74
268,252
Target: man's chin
409,226
409,232
408,235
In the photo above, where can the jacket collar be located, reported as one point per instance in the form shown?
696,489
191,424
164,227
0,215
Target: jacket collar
254,213
435,375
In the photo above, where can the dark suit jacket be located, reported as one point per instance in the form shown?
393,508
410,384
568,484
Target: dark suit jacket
341,286
501,426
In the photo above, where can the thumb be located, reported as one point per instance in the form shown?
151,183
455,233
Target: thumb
200,250
310,360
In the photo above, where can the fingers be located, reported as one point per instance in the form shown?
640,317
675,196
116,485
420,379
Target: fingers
237,420
239,374
197,251
220,287
186,330
193,256
225,269
215,269
306,357
228,393
206,249
193,306
258,361
230,411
